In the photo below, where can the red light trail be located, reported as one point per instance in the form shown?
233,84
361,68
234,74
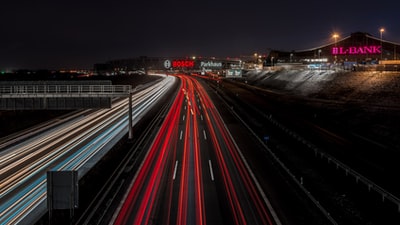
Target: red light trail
170,187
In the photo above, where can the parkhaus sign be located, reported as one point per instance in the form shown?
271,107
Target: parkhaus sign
357,50
210,64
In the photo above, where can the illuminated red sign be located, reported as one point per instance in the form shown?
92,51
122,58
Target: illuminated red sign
182,63
362,50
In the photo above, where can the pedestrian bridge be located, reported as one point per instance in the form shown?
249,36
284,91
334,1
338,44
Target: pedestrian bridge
34,95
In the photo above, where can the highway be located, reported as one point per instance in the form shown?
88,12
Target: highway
324,160
68,145
194,173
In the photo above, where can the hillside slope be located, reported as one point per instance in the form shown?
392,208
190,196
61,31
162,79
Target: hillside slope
382,88
367,103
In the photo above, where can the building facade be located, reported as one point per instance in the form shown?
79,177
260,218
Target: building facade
359,47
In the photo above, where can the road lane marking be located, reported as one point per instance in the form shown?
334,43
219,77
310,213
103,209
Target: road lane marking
201,116
175,169
211,170
183,118
205,135
180,136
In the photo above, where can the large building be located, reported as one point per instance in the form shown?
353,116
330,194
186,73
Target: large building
359,47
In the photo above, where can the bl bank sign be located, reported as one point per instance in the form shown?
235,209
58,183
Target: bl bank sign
361,50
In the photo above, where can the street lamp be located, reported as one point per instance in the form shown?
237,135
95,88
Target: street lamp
255,60
335,36
381,31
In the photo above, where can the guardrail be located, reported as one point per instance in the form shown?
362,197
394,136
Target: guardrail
223,97
339,165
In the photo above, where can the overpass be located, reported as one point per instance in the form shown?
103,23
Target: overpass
35,95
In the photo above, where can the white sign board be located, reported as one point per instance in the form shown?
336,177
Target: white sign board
167,64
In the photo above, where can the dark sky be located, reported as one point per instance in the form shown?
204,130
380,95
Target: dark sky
54,34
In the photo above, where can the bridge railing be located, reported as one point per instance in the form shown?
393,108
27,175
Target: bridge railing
23,91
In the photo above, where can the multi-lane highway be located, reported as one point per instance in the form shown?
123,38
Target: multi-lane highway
194,173
66,145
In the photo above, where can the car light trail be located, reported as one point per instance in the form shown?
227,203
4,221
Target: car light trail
65,146
179,140
146,183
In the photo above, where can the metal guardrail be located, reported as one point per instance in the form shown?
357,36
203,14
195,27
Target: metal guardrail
278,161
61,90
285,168
339,165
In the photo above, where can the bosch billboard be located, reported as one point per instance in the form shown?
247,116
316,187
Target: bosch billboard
178,63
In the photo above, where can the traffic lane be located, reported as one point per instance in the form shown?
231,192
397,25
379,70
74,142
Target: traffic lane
197,195
170,216
48,162
187,192
35,164
181,203
210,193
19,196
215,203
191,196
290,204
140,205
27,156
245,201
186,202
242,197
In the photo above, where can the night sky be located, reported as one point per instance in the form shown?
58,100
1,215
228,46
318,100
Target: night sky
61,34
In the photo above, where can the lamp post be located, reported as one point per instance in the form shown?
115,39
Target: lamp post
381,31
335,36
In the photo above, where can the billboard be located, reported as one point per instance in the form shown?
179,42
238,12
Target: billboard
176,64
